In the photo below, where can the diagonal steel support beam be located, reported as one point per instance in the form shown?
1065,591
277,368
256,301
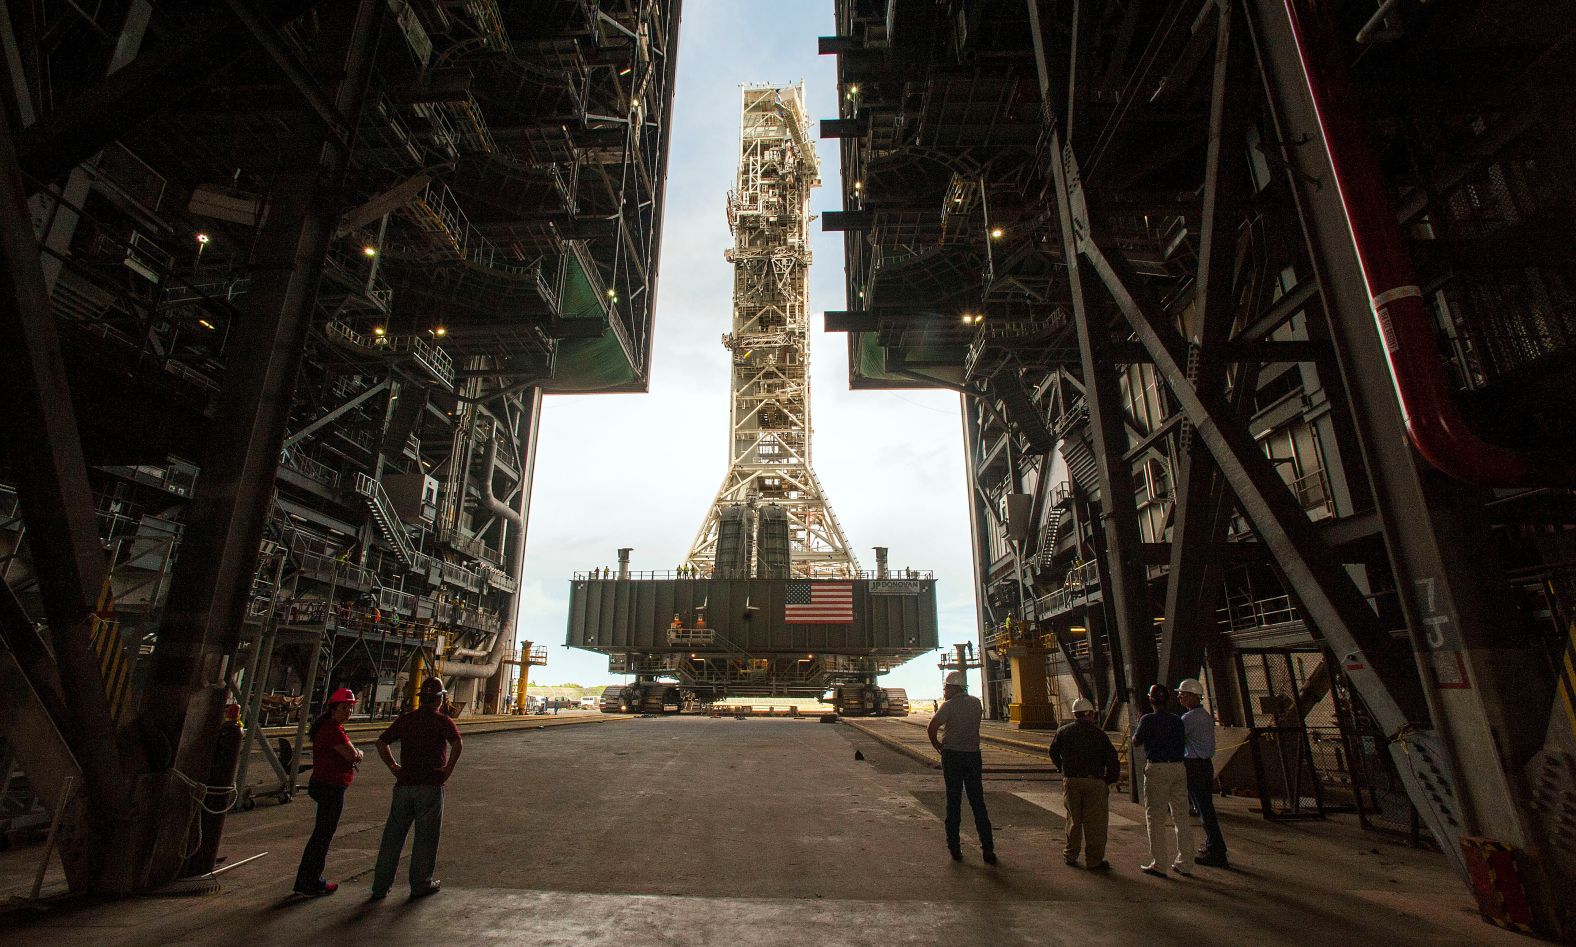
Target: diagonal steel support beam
1325,591
207,598
268,38
1198,525
44,448
335,414
1122,574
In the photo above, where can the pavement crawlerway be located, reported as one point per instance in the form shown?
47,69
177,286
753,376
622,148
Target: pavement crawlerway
769,832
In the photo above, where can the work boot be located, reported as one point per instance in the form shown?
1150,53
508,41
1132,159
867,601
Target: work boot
957,852
431,888
989,855
1100,866
1211,860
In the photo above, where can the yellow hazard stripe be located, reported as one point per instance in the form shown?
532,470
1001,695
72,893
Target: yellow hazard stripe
1568,685
114,668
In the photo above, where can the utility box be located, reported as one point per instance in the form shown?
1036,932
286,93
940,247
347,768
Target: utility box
415,497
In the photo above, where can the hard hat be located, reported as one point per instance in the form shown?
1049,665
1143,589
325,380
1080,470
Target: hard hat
342,696
957,678
1191,686
432,685
1082,705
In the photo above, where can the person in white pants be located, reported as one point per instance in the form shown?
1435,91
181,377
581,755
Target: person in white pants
1163,740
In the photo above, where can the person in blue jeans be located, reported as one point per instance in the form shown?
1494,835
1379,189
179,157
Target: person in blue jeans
1199,759
429,749
955,733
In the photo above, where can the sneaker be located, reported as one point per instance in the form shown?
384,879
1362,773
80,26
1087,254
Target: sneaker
431,888
957,854
1180,867
1070,862
1150,868
321,891
1100,866
989,856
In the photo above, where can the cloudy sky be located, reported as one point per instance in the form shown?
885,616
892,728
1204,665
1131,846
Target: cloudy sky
641,470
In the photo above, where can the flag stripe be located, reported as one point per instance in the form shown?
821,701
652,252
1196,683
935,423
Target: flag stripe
819,602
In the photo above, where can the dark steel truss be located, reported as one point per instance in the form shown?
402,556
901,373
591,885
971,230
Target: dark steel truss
1117,230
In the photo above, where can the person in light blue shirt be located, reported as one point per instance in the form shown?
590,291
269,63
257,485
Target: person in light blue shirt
1199,759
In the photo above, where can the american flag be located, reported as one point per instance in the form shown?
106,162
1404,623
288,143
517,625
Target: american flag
812,603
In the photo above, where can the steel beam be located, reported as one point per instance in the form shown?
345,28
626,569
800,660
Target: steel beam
45,453
1194,576
1123,578
267,37
1326,593
147,85
1480,674
208,592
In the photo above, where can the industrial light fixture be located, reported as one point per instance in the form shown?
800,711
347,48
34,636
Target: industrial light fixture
369,251
203,239
205,323
1078,630
853,90
858,185
612,293
440,331
996,233
626,70
379,331
968,318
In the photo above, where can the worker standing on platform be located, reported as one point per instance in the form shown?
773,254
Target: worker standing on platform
334,760
1199,761
1163,740
429,749
1089,766
958,726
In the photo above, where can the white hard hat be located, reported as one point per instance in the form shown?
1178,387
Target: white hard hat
1083,704
957,678
1191,686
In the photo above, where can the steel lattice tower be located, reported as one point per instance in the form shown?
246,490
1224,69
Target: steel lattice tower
769,439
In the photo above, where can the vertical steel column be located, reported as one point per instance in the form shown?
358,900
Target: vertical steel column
45,451
1123,582
1194,578
1479,675
979,556
208,594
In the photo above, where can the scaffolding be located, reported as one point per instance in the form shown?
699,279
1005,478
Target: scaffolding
769,420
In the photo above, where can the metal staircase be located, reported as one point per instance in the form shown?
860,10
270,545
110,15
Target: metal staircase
388,522
1023,414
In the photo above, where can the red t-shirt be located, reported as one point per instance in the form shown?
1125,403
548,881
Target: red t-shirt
328,766
423,736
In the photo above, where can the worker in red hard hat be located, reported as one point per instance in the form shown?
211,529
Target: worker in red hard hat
334,760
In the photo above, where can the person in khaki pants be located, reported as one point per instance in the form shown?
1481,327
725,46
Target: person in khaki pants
1163,740
1089,767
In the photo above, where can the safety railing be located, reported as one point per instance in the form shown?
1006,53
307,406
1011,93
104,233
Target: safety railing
691,637
637,575
1242,614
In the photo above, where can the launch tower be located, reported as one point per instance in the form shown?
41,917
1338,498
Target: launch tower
769,424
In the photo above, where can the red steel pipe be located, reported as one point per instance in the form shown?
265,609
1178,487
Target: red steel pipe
1433,418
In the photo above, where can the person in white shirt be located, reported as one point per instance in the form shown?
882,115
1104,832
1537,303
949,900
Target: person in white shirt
955,733
1199,759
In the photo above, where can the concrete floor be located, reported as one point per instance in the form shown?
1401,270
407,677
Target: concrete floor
742,832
